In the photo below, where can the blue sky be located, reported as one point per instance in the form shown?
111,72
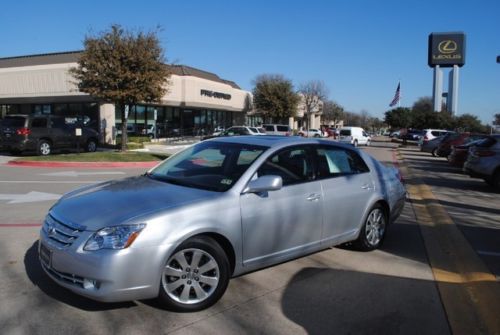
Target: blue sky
359,48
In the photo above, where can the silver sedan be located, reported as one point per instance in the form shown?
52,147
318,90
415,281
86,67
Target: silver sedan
218,209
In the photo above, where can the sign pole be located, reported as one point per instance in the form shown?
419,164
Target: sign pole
437,94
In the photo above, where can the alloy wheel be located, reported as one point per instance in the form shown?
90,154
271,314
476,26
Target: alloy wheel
190,276
375,227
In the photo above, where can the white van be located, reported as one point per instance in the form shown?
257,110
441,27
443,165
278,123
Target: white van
354,135
277,129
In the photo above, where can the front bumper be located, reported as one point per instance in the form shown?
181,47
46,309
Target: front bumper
104,275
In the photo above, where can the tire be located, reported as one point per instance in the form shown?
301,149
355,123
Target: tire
367,143
316,135
355,143
183,287
373,231
44,148
434,152
91,145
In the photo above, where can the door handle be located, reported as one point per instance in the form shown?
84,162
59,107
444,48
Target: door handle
313,197
367,187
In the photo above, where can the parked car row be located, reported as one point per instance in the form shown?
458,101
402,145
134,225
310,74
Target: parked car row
350,135
477,154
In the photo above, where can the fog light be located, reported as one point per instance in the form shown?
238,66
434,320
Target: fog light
89,284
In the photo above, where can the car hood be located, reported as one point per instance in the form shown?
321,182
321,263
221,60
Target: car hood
122,201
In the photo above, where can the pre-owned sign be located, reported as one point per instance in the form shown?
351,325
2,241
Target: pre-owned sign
446,49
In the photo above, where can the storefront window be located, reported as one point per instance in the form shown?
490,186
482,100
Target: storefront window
41,109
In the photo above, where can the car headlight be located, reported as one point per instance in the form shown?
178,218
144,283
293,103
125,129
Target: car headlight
118,237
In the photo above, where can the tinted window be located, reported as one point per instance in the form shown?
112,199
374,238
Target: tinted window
291,164
345,132
13,121
283,128
269,128
334,162
39,123
211,166
58,123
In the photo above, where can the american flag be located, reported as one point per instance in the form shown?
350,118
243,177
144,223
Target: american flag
397,96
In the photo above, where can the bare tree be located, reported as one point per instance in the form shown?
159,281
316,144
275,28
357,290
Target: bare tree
332,111
313,94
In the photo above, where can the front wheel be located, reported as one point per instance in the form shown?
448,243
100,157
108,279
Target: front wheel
373,231
91,146
44,148
195,276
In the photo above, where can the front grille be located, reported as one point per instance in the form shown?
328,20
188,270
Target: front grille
62,234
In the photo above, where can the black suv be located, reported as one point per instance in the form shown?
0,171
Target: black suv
44,133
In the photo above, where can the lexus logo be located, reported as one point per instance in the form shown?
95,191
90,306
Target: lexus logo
447,47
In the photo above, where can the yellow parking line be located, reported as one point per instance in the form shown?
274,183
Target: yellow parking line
469,292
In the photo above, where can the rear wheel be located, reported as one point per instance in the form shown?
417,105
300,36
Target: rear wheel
44,148
434,152
195,276
373,231
496,180
355,143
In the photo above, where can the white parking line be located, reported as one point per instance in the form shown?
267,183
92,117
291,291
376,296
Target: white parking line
488,253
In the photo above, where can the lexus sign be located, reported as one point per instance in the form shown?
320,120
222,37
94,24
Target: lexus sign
446,49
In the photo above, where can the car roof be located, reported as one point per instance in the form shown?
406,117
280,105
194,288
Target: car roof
275,141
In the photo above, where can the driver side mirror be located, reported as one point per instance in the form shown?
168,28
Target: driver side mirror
264,184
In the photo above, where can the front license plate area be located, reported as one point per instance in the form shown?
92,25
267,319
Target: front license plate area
45,255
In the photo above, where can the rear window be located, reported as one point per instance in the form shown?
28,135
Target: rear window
345,132
283,128
13,121
487,142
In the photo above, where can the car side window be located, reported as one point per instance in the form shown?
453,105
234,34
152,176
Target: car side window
292,165
39,123
58,123
334,162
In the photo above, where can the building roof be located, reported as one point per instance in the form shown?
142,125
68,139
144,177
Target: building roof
72,57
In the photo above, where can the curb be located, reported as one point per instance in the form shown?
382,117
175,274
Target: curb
83,164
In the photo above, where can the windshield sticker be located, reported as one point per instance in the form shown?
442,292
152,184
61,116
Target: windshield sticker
226,181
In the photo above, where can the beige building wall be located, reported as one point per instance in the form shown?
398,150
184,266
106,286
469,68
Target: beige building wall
37,81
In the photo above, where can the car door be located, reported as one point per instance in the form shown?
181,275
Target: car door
277,225
347,188
61,133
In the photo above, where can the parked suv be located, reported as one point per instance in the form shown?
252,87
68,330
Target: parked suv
484,161
44,133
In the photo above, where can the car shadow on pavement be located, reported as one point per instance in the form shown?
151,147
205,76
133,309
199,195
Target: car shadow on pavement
39,278
333,301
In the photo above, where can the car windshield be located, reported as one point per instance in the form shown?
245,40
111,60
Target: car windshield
213,166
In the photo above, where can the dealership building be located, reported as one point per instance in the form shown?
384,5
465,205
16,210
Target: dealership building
196,102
